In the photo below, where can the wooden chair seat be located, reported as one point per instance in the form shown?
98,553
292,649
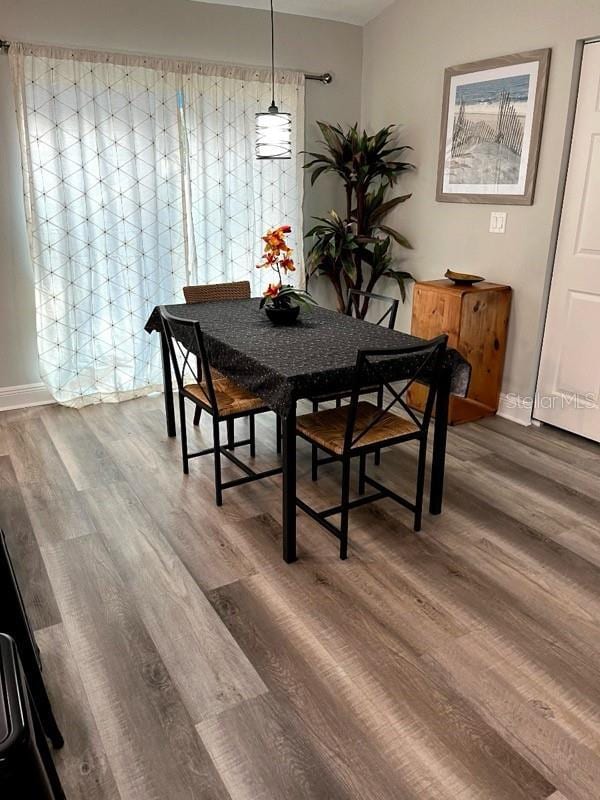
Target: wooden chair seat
231,398
327,429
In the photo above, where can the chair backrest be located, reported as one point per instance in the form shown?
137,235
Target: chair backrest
213,292
188,353
384,367
391,305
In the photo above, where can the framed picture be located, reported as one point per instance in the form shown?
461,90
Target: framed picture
492,118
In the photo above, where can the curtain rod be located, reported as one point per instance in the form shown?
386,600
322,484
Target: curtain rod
325,77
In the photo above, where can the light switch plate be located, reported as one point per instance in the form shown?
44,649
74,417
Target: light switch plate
498,222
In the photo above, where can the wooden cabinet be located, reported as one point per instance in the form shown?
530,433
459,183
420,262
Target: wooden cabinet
476,321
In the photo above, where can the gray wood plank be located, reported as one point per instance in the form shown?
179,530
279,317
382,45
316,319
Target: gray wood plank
24,550
329,722
469,667
83,455
427,734
202,658
147,734
82,763
262,752
56,510
527,456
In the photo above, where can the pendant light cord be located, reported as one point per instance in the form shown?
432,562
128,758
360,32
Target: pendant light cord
273,106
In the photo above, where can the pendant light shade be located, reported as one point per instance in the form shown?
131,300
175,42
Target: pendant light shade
273,127
274,134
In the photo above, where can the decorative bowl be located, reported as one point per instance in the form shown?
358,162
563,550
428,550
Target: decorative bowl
288,315
463,278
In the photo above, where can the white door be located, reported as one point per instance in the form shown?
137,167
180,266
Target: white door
569,379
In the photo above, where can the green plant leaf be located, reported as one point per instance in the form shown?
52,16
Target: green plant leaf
369,166
385,208
316,173
401,278
299,295
396,236
331,137
349,266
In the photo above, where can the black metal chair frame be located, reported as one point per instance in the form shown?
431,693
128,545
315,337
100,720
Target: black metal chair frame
429,368
392,311
26,766
390,314
15,622
210,406
235,288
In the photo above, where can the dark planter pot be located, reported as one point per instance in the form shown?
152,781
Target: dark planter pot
283,315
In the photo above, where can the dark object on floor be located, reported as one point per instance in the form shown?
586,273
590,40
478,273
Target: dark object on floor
27,771
15,623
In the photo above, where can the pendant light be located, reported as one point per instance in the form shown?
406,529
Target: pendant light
274,127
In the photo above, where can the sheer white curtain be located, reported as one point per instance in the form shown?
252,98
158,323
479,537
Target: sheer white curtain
234,197
139,177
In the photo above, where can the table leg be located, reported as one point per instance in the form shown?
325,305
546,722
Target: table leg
289,486
167,385
436,493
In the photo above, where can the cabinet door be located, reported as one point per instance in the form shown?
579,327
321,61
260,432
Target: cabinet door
482,342
436,312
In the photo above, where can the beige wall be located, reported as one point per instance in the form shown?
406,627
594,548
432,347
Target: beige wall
405,52
171,27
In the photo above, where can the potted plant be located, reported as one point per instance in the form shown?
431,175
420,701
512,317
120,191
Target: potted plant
281,301
354,251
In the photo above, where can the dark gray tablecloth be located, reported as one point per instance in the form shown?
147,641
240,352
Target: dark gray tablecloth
284,364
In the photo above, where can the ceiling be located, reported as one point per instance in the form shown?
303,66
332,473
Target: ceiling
358,12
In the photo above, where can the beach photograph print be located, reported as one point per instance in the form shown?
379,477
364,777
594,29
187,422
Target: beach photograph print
489,134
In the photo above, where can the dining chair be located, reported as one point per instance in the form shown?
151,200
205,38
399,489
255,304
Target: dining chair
211,293
359,428
388,317
214,293
221,398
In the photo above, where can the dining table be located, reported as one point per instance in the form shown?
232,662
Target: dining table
284,364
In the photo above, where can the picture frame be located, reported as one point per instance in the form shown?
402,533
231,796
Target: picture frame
491,129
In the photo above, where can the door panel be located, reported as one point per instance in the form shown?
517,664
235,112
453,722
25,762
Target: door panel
580,349
589,229
569,378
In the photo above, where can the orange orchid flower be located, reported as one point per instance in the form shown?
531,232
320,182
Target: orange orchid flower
273,290
277,254
269,259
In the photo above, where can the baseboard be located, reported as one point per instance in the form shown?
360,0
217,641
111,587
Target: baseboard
515,408
30,394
